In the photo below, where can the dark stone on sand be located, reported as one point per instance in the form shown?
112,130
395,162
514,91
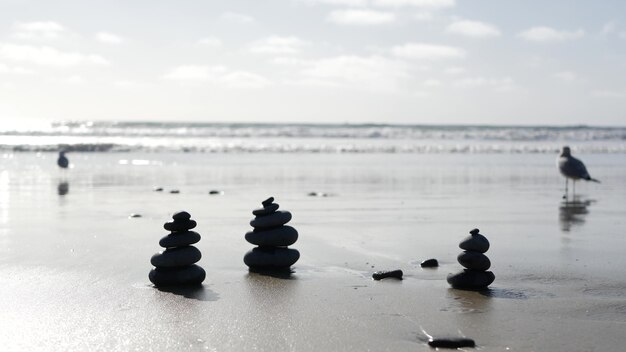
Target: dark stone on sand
451,342
474,260
268,201
270,257
174,191
187,275
158,189
178,239
276,219
174,257
476,243
471,279
267,210
379,275
181,216
429,263
280,237
180,225
134,215
214,192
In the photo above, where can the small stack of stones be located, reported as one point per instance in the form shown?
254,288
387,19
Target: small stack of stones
272,238
175,265
476,276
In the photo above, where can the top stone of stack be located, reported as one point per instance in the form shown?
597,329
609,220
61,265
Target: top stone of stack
475,242
182,222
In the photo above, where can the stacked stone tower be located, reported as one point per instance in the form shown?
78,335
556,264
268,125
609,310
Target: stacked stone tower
271,237
475,276
176,264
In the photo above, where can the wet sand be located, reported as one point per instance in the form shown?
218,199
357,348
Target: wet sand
74,266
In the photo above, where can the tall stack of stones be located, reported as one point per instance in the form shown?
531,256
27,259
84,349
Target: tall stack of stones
271,237
176,264
475,276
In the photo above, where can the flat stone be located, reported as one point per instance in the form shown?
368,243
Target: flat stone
180,225
158,189
214,192
429,263
280,236
181,216
474,260
268,201
187,275
174,257
475,243
134,215
179,239
271,257
379,275
174,191
266,210
451,342
276,219
471,279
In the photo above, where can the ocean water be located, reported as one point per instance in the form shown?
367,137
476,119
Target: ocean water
95,136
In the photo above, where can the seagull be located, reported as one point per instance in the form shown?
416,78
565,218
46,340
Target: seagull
573,168
62,160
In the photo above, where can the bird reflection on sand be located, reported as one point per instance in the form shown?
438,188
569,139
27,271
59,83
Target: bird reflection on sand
572,213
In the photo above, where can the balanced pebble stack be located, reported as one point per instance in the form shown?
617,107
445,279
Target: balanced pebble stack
176,264
271,237
475,276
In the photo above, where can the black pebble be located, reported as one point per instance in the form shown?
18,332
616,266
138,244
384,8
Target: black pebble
475,232
158,189
133,215
181,216
451,342
268,201
215,192
429,263
379,275
174,191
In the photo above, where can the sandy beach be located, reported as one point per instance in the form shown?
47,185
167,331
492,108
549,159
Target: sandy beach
74,267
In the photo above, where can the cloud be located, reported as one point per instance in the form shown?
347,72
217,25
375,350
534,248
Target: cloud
14,70
38,30
74,80
548,34
474,29
505,83
424,51
433,4
236,18
565,76
613,94
109,38
278,45
242,79
609,28
454,70
371,72
432,83
211,42
361,17
338,2
217,75
48,56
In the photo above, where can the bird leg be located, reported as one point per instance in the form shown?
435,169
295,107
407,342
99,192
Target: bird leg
565,195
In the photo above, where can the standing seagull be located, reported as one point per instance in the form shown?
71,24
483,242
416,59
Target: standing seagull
62,160
573,168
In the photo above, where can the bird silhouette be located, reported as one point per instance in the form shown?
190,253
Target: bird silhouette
62,161
572,168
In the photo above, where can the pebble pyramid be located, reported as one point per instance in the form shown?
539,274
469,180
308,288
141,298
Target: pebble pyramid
176,264
271,237
475,276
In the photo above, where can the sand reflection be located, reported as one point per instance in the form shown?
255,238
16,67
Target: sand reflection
572,213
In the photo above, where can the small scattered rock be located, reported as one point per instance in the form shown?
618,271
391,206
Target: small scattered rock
451,342
379,275
134,215
174,191
215,192
430,263
158,189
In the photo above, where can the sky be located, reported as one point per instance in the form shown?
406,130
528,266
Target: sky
517,62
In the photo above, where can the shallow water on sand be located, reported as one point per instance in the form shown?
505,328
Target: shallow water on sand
73,265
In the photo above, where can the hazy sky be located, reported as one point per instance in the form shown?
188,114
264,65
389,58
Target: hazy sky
381,61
